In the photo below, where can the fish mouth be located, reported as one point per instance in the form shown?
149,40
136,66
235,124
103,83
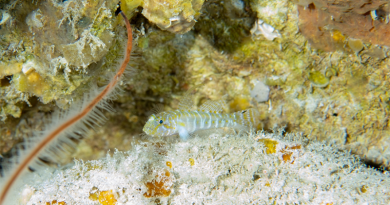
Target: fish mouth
149,132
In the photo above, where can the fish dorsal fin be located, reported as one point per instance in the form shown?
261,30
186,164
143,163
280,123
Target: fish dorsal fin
158,108
213,106
187,102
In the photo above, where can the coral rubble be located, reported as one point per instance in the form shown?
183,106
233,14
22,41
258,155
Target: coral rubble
216,169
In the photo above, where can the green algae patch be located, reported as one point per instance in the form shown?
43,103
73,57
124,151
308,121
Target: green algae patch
129,7
31,83
356,45
8,69
88,49
12,110
318,79
176,16
44,87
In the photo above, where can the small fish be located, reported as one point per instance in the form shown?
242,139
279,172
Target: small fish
208,116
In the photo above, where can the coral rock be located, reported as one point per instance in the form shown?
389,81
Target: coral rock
320,19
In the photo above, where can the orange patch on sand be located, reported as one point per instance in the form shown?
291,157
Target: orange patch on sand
287,152
158,187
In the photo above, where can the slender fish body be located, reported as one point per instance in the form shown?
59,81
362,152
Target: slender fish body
184,122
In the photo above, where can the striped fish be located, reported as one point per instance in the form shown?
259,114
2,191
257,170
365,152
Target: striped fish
208,116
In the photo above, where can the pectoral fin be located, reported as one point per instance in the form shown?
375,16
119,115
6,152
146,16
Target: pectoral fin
183,133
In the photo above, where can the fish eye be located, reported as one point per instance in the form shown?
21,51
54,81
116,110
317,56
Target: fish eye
161,121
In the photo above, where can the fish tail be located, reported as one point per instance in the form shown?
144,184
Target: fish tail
249,118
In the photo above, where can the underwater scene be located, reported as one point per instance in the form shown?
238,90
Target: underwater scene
194,102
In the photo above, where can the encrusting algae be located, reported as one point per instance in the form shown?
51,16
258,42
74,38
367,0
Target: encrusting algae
159,187
103,197
55,202
169,164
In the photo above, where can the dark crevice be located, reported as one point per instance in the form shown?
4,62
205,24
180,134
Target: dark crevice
311,7
6,81
375,166
139,21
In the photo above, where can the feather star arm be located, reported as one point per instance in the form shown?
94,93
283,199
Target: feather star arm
50,137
